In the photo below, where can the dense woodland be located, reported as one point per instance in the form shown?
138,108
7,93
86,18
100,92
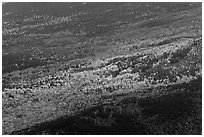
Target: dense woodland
102,68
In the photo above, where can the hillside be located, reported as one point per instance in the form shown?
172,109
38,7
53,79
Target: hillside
102,68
